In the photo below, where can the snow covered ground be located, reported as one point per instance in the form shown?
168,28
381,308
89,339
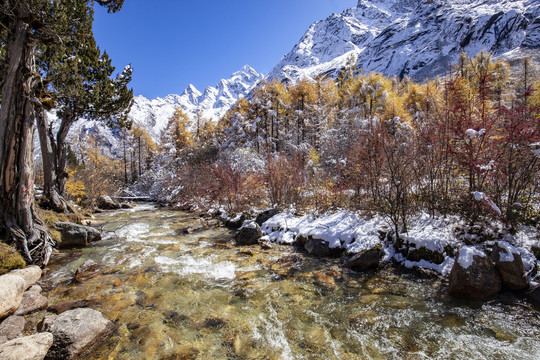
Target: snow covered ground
354,233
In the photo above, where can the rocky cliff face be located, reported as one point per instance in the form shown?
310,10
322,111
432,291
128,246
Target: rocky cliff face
418,38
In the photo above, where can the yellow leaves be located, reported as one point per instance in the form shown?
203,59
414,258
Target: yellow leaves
74,187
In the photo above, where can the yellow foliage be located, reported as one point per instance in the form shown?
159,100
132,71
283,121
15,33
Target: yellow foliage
74,187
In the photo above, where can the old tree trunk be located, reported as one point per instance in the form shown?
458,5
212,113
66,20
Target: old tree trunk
18,218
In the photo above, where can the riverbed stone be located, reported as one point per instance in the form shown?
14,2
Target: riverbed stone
88,270
12,327
105,202
75,331
365,260
30,274
11,293
248,234
33,347
508,262
32,301
75,235
479,281
534,296
317,247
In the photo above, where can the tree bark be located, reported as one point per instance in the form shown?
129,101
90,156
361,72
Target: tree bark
55,201
19,220
61,153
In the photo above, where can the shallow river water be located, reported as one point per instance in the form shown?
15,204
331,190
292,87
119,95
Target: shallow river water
196,296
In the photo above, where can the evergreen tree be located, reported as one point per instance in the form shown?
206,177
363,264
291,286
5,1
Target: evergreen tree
26,23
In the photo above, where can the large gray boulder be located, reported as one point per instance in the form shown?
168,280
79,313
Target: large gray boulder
473,275
248,234
75,235
75,331
105,202
30,274
365,260
508,262
33,347
12,328
11,293
32,301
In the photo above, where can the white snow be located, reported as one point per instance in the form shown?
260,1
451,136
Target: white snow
466,254
509,251
431,233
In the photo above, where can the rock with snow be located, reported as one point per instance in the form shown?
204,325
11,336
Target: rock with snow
75,235
535,249
265,216
365,260
473,275
105,202
31,274
508,262
12,327
75,331
33,347
248,234
11,293
416,38
317,247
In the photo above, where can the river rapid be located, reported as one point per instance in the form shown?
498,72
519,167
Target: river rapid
197,296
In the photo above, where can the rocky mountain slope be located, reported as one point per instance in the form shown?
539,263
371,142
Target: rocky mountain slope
418,38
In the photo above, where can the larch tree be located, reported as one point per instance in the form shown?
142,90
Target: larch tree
25,24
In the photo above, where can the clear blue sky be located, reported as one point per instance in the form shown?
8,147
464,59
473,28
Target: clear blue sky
172,43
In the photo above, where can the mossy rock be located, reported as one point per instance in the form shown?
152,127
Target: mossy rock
10,259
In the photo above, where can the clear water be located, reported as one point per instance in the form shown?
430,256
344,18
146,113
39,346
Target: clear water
196,296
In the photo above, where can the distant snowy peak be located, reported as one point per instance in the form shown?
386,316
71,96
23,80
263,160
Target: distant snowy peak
211,104
418,38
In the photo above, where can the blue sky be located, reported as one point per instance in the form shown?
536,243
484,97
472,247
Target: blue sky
172,43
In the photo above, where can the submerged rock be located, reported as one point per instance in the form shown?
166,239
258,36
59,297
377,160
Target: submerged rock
75,331
88,270
473,275
508,262
248,234
105,202
33,347
75,235
12,327
534,296
365,260
11,293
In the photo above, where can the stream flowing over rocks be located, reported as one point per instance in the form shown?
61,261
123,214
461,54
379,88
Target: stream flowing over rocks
163,292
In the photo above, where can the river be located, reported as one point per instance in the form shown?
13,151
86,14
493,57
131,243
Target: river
197,296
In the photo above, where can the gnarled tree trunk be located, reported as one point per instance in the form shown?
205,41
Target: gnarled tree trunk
18,219
55,201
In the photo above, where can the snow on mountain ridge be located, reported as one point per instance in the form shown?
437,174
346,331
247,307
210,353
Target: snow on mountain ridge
418,38
153,114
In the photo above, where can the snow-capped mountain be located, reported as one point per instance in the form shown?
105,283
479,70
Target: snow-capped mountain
418,38
213,103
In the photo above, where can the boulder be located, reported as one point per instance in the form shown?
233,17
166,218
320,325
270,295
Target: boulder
535,249
423,253
473,275
534,296
317,247
248,234
33,347
11,293
88,270
105,202
75,235
235,222
12,327
508,262
30,274
365,260
32,301
265,216
75,331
